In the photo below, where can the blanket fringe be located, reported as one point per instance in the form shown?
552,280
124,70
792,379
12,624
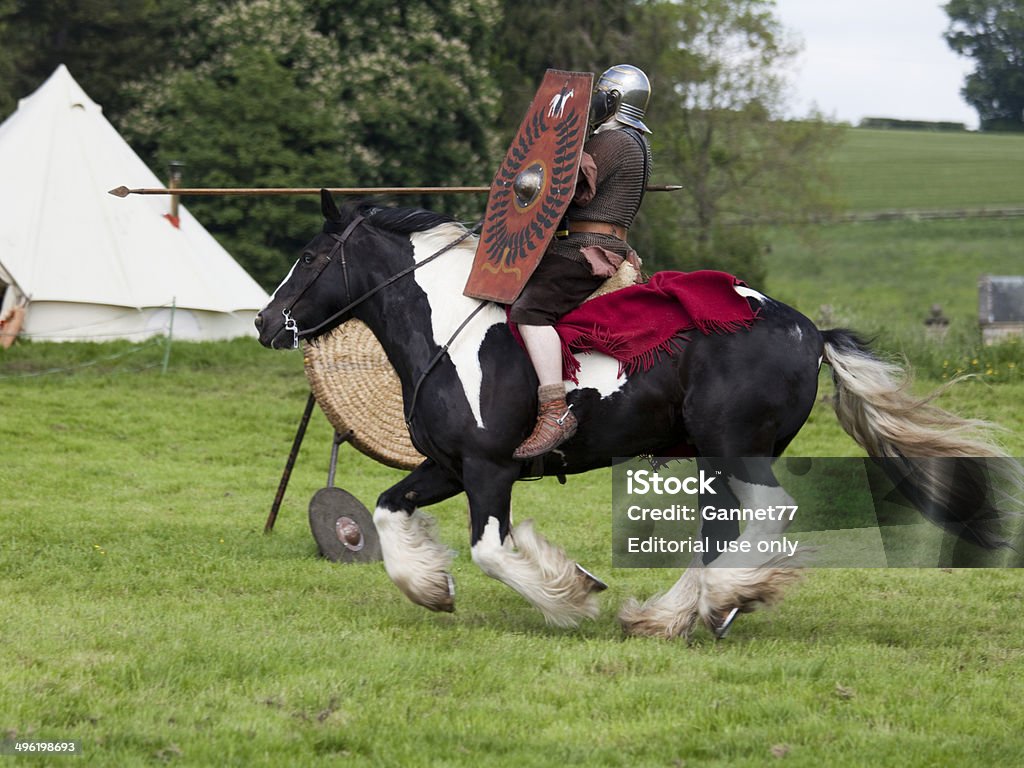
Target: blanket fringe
709,327
615,347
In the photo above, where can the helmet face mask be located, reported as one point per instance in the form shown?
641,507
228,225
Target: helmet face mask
622,93
603,105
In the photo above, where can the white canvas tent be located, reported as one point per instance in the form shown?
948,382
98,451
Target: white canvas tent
94,266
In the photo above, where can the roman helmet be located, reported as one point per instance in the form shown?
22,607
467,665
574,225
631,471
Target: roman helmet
622,92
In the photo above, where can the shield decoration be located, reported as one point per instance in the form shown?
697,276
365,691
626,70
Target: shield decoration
532,188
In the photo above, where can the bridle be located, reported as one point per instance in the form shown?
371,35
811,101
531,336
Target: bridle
339,245
339,249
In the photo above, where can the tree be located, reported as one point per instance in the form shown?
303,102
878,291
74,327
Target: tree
311,92
104,43
258,105
992,33
538,35
418,93
8,60
717,106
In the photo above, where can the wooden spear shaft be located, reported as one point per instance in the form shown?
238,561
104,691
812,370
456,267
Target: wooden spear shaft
212,191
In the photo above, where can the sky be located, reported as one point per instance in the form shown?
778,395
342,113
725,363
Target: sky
875,58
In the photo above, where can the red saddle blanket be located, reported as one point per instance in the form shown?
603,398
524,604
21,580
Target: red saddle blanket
637,324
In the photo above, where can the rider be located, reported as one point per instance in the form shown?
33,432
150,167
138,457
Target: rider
613,176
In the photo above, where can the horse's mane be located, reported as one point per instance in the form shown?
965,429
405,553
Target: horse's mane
402,221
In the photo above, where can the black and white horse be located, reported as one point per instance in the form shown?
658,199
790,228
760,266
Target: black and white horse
470,398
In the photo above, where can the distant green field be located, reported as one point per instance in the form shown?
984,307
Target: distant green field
883,277
886,275
882,170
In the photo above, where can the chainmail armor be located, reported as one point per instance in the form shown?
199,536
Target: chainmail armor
623,159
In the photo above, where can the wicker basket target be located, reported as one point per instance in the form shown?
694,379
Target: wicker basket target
358,390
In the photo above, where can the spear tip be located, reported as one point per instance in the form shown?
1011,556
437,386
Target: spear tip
121,191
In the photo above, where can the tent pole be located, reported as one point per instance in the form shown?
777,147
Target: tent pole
170,336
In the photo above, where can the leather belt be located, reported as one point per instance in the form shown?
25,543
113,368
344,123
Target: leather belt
599,228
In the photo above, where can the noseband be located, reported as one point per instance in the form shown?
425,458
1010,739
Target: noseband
339,248
339,245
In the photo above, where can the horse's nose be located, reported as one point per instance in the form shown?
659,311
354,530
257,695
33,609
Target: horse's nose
258,322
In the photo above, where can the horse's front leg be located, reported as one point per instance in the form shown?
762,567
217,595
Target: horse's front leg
415,559
521,558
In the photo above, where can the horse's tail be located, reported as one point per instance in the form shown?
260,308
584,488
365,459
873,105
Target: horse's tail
951,468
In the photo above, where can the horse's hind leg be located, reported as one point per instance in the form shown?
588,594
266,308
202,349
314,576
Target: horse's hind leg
668,615
714,589
415,559
676,612
745,577
521,558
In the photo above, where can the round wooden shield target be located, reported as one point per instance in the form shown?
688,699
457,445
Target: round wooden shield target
343,527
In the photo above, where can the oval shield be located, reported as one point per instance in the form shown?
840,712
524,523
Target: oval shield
532,188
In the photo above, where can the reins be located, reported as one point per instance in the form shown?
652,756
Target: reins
339,247
435,359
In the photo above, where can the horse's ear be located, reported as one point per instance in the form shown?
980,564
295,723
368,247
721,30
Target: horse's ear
328,207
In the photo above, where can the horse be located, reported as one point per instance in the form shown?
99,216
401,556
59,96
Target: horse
735,400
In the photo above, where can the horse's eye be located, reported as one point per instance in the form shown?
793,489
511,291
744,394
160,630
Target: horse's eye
307,258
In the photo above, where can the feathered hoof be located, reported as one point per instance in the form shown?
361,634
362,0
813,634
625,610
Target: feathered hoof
415,559
654,619
729,592
577,599
540,571
590,581
437,595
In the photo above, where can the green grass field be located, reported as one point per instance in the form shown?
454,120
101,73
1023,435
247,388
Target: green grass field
146,616
880,170
882,278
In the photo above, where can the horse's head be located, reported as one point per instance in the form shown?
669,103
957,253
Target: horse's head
315,289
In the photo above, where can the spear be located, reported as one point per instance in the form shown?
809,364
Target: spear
213,191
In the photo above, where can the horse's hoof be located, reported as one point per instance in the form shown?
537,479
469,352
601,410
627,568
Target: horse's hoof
650,619
596,585
634,625
439,596
447,604
721,628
